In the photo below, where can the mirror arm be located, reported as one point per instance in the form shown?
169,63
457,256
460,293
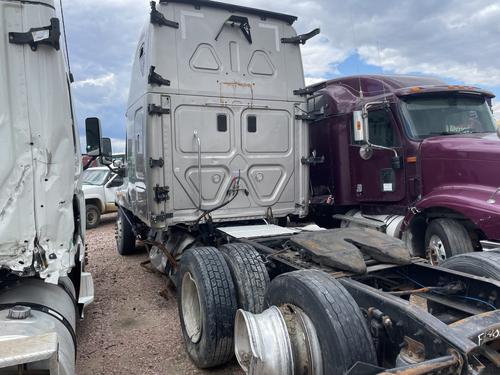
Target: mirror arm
383,148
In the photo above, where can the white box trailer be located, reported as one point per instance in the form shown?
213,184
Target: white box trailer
43,286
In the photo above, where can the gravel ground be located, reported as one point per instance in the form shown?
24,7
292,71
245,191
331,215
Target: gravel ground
133,326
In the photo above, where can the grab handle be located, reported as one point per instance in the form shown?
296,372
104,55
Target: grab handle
198,142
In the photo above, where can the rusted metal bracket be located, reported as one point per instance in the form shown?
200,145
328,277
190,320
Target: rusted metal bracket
157,18
435,365
162,247
156,79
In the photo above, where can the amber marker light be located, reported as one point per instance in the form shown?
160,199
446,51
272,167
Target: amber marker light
411,159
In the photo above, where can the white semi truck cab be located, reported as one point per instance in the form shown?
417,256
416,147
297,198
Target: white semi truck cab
43,285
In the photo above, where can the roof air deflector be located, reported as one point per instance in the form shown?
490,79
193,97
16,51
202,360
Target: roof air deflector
236,9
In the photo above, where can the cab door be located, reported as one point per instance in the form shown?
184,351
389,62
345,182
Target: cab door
379,178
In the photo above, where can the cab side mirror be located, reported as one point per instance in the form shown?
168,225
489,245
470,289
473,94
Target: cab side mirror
93,134
107,152
360,120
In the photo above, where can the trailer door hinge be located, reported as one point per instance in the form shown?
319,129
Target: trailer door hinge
156,79
302,38
312,160
48,35
157,18
161,193
161,217
154,109
156,162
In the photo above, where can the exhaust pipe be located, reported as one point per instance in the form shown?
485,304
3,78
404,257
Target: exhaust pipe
279,341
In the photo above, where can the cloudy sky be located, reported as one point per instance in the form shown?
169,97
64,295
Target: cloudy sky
456,40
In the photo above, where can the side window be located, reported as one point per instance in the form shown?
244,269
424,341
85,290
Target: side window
381,129
139,144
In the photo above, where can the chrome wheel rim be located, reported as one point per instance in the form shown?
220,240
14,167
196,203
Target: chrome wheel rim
436,251
191,308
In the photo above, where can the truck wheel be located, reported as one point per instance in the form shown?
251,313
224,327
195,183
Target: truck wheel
342,331
92,215
249,275
206,299
485,264
125,237
445,238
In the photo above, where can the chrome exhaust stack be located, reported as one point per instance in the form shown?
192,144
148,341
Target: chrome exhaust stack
278,341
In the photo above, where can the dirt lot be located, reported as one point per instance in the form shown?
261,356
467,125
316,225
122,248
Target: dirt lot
133,326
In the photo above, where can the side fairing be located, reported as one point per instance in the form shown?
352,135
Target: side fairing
40,169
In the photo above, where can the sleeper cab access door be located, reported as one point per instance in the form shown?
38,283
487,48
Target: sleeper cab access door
148,192
376,162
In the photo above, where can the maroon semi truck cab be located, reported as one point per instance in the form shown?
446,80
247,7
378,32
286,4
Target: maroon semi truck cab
410,155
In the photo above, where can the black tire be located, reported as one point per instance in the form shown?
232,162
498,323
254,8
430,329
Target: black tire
92,216
453,237
485,264
125,237
209,340
249,275
342,331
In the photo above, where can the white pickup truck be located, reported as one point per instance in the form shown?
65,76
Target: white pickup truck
99,187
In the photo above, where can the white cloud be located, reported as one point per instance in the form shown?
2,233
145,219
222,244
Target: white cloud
106,80
453,39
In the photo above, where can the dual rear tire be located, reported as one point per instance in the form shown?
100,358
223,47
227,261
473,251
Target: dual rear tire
214,283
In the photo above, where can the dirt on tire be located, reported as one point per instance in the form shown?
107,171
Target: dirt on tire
133,325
